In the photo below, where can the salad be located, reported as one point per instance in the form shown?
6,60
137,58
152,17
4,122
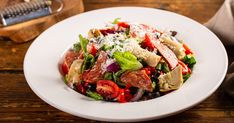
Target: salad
127,62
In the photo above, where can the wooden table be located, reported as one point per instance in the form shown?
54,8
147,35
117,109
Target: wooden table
18,103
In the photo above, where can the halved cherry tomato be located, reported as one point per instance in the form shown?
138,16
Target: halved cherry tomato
187,49
185,68
123,24
107,89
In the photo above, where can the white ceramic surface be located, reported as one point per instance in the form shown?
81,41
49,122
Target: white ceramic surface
42,74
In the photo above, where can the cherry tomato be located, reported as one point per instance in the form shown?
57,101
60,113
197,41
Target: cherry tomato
187,49
123,24
107,89
185,68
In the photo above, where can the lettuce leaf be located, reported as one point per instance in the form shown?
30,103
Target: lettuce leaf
127,61
83,43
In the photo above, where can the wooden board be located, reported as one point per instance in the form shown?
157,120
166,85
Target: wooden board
27,31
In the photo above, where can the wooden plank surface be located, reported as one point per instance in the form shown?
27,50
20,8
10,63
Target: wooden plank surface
19,104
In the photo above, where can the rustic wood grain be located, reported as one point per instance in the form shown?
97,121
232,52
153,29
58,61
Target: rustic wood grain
18,103
199,10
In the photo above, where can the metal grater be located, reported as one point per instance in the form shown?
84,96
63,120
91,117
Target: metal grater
26,11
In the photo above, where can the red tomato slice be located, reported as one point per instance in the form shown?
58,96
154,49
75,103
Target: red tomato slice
107,89
185,68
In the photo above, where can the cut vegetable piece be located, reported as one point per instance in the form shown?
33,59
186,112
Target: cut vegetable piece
171,80
127,61
74,74
176,47
94,33
149,57
137,79
107,89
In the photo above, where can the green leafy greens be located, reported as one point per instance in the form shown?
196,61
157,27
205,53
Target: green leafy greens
83,43
189,60
127,61
88,58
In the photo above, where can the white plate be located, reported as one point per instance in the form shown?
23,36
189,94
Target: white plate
42,74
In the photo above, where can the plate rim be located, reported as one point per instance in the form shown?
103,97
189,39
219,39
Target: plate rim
128,120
